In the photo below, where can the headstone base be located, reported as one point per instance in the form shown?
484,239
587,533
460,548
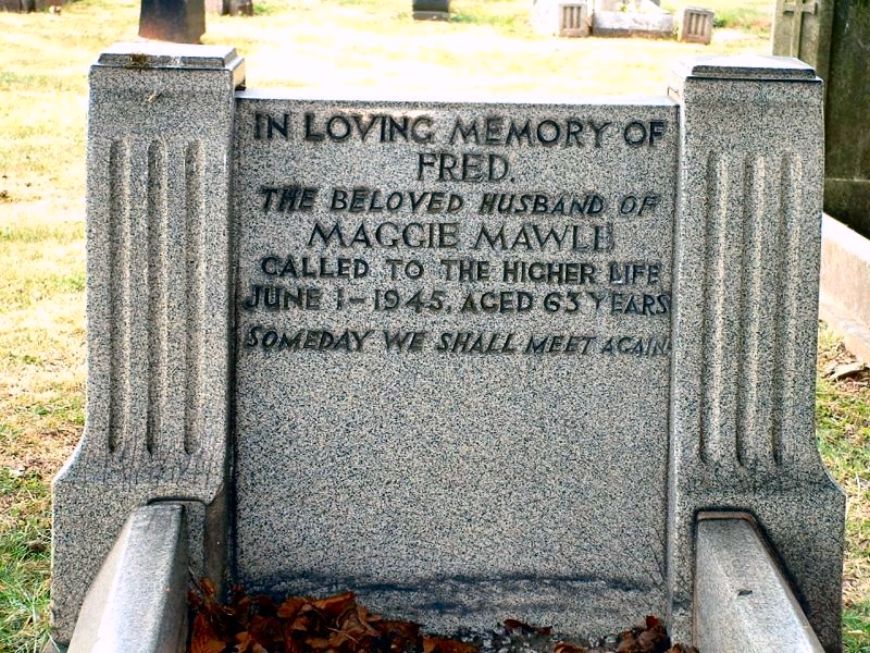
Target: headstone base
431,15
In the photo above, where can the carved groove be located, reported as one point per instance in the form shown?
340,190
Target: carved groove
119,191
194,203
778,337
157,291
716,269
791,213
762,294
746,393
753,368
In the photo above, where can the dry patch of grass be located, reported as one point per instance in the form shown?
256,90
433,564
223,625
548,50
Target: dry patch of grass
843,426
755,16
488,49
42,370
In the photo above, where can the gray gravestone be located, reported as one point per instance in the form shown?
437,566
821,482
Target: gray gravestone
230,7
562,18
696,25
30,5
644,18
472,361
179,21
832,36
506,270
431,9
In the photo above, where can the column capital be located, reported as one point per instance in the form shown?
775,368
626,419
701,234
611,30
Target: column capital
148,55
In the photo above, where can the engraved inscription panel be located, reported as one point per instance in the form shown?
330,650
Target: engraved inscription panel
453,348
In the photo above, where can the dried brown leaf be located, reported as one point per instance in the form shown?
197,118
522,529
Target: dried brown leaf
291,607
244,642
203,638
208,588
628,643
566,647
655,638
432,644
318,643
335,605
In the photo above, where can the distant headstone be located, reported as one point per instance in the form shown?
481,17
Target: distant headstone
832,36
230,7
431,9
469,360
179,21
561,18
644,18
20,6
696,25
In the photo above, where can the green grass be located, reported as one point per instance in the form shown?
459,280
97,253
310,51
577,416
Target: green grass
25,539
505,15
856,627
843,426
750,15
486,49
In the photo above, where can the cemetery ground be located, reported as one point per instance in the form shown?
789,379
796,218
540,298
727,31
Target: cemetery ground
486,49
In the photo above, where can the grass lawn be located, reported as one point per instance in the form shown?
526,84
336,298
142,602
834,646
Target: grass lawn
349,45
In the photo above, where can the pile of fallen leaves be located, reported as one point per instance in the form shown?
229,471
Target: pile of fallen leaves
651,637
338,624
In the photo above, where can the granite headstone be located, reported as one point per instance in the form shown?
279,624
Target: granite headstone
470,360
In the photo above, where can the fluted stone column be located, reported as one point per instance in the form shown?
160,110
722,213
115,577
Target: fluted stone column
158,308
746,268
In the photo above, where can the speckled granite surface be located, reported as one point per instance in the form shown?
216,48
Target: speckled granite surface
470,476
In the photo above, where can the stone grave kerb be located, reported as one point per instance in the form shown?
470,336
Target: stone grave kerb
159,419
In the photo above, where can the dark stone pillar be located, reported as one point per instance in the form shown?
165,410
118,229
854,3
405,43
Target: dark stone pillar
831,35
431,9
180,21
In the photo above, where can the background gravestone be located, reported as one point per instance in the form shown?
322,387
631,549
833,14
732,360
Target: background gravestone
832,36
230,7
179,21
431,9
29,5
635,18
562,18
696,25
